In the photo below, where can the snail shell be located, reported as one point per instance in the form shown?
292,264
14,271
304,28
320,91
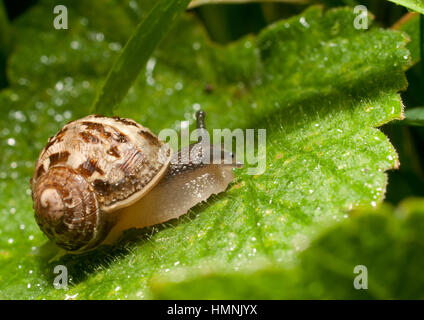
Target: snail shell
91,167
99,176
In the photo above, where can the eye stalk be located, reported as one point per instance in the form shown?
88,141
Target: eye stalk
216,152
200,123
200,119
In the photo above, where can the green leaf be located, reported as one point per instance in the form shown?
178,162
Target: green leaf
410,24
198,3
319,86
415,116
136,53
416,5
387,241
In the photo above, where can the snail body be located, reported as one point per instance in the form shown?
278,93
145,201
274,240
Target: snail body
99,176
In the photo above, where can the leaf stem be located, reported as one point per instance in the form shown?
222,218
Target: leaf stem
136,52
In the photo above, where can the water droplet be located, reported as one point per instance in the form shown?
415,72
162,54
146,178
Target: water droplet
58,101
178,86
134,5
76,45
115,46
84,21
58,118
59,86
196,106
303,22
23,81
11,142
44,59
67,114
151,64
99,36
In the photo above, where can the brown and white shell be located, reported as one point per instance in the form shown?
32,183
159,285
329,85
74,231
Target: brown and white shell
94,166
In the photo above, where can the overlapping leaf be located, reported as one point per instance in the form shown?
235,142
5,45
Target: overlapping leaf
416,5
383,255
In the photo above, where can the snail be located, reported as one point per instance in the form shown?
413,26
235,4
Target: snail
99,176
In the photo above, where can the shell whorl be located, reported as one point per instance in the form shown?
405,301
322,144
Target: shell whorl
67,210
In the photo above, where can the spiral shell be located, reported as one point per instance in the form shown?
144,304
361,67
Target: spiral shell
91,167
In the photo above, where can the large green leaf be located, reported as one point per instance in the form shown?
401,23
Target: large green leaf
318,85
415,116
387,241
416,5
